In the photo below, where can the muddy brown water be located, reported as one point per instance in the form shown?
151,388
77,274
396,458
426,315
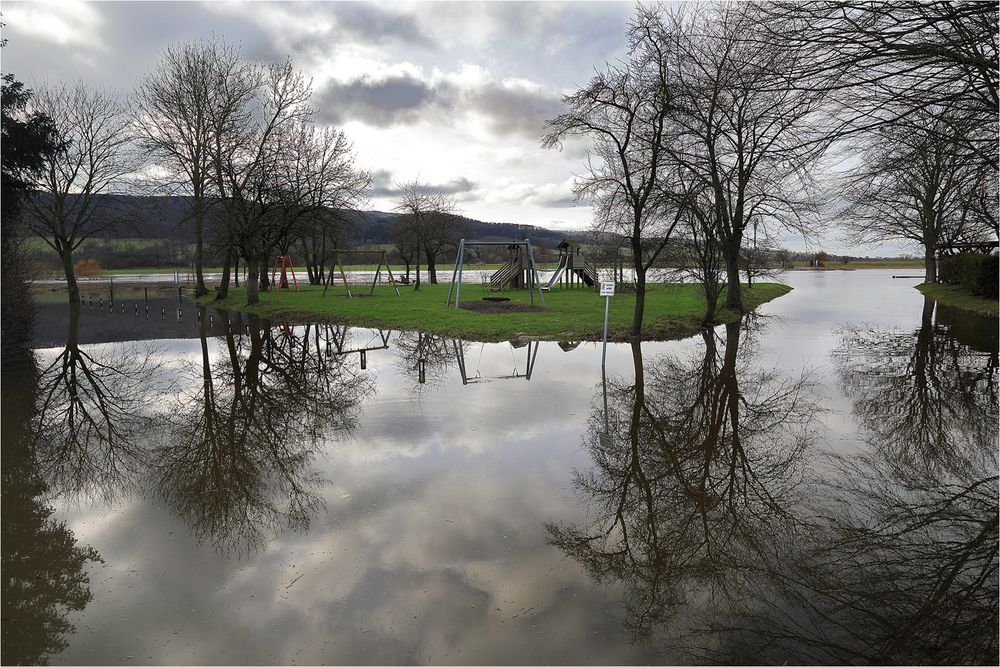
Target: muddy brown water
817,484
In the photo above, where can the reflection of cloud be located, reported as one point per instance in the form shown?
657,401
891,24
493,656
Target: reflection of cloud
444,564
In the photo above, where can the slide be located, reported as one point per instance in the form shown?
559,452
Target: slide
555,276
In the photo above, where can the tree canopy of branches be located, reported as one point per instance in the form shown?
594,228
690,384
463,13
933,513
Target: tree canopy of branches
94,157
888,61
916,184
624,112
429,224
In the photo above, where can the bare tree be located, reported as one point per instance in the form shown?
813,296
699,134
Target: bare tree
429,221
888,61
318,182
742,131
94,159
916,185
175,106
252,133
624,111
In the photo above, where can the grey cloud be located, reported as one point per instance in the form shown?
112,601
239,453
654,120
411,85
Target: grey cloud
398,99
516,111
377,25
384,185
404,99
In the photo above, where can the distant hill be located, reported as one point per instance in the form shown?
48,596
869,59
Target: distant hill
156,218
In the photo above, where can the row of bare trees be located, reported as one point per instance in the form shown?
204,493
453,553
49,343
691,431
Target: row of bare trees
725,117
428,226
237,138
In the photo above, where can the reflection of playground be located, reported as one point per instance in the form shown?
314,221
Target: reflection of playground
515,374
339,342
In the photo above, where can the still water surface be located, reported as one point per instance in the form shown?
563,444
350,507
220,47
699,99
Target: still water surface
817,484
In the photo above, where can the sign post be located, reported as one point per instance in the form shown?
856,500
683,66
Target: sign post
607,291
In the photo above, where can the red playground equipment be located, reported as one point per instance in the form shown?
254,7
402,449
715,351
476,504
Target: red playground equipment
285,262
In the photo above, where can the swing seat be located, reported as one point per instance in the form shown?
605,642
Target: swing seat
490,297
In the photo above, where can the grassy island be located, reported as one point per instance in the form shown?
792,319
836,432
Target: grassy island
672,311
956,297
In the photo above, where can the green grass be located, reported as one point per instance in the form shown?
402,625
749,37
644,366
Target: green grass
672,311
954,296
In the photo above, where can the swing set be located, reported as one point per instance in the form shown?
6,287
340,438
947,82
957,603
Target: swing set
518,272
337,266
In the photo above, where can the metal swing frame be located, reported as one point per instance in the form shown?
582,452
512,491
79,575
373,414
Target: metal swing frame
337,262
456,275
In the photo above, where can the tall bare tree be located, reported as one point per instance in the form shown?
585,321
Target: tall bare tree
742,131
251,134
625,111
94,159
319,182
175,106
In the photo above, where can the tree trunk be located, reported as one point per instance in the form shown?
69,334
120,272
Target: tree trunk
711,302
734,299
640,289
67,261
224,284
431,267
416,285
930,265
265,282
199,249
236,269
252,283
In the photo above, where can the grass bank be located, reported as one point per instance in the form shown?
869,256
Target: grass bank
672,311
954,296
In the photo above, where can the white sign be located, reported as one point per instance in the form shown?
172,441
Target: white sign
608,288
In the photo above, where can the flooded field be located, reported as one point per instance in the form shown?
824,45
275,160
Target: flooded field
817,484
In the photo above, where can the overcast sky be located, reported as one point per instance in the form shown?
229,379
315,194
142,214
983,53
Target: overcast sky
454,94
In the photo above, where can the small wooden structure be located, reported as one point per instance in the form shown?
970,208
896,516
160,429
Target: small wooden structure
337,263
572,270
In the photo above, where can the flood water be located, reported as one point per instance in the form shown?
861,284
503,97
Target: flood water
817,484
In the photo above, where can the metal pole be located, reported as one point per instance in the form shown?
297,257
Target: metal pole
604,352
458,257
534,272
461,265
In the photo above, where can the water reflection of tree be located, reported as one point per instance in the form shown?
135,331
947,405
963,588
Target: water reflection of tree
923,397
696,465
44,577
871,558
92,416
893,567
435,354
239,464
